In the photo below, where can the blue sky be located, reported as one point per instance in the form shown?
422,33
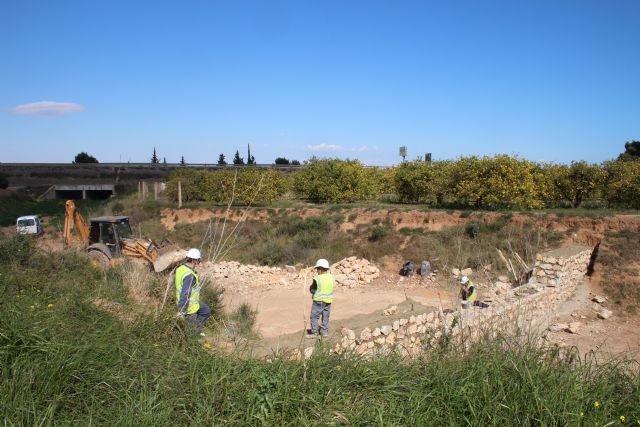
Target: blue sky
544,80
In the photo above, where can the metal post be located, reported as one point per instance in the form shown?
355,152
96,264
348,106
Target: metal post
155,190
179,194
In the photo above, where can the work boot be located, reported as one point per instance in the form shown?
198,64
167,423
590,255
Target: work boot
311,334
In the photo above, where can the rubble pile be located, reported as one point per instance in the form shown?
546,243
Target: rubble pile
351,272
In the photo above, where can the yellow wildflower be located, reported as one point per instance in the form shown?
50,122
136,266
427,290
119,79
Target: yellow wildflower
622,418
50,305
596,404
206,345
581,414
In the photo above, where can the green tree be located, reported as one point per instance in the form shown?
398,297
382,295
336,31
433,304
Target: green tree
335,180
154,158
221,160
295,162
631,151
237,160
245,186
622,183
281,161
83,157
182,162
164,161
494,182
574,183
420,182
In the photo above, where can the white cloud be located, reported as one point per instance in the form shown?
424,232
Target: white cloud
324,147
47,109
364,148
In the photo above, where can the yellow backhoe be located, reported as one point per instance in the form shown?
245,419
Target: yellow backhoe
109,239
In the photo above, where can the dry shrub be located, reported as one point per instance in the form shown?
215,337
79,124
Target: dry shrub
140,283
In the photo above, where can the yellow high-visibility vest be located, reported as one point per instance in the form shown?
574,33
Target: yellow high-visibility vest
326,282
194,298
474,295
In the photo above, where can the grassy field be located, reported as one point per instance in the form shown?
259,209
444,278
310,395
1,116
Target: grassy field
64,361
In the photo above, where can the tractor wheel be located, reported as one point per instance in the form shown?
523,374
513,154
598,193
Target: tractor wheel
99,259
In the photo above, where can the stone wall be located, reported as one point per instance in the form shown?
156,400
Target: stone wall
521,311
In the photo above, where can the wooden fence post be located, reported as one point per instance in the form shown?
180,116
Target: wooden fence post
179,194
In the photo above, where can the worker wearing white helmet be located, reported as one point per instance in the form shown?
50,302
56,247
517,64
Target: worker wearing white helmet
322,294
188,292
468,293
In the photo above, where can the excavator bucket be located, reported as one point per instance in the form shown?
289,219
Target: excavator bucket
168,257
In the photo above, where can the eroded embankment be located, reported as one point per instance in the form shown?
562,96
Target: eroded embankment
580,230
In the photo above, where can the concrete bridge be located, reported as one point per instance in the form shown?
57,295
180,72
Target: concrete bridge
97,180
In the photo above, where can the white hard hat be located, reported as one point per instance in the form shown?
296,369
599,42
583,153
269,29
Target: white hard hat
464,280
322,263
194,253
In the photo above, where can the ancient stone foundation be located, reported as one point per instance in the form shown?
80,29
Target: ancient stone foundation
520,311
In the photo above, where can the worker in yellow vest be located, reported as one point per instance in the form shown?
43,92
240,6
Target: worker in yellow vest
322,294
469,294
188,293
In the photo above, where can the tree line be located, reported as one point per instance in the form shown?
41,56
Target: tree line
84,157
489,182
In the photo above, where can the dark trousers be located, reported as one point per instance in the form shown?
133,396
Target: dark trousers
197,319
319,308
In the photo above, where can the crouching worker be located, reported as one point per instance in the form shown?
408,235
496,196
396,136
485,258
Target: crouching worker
188,287
469,294
322,293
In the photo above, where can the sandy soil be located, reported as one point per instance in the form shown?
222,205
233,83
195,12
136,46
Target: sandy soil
283,311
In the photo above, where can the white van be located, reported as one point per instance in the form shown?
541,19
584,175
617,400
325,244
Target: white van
29,224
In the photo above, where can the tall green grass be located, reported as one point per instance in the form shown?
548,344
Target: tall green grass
63,361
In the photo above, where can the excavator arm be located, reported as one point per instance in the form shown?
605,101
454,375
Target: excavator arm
73,216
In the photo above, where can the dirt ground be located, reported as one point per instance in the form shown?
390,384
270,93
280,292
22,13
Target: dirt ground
284,311
604,339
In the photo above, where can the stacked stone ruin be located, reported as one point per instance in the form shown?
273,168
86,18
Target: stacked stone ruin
521,311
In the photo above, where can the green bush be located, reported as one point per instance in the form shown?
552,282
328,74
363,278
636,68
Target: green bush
378,233
242,185
335,181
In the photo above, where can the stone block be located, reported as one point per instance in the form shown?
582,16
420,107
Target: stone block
604,313
365,334
348,333
391,339
574,327
386,329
